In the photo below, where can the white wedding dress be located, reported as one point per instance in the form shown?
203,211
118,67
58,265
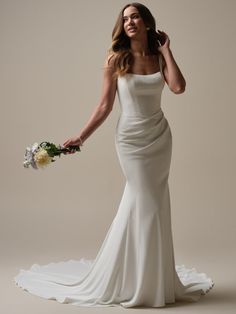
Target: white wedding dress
135,265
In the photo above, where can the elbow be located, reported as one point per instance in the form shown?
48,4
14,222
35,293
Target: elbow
179,89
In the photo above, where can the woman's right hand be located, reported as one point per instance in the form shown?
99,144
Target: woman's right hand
74,141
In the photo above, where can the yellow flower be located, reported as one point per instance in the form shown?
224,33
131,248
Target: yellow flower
42,158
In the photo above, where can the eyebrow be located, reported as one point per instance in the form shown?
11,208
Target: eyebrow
131,14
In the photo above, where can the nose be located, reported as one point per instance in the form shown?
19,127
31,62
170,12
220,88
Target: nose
130,21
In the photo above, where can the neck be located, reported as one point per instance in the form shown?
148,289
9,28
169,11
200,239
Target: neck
139,48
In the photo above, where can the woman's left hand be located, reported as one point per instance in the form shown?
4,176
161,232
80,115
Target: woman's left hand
165,41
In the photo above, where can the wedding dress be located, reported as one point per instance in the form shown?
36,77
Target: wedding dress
135,265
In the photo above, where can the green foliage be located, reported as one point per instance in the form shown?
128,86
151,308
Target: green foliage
54,150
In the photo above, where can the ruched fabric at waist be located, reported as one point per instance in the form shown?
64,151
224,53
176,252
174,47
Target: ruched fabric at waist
140,130
137,124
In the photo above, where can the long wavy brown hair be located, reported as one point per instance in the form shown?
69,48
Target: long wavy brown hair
120,48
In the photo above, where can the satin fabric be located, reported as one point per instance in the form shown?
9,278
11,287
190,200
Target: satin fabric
135,264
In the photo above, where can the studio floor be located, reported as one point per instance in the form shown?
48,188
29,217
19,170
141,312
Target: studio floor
220,299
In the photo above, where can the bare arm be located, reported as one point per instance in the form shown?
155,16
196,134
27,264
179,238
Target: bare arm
171,71
101,111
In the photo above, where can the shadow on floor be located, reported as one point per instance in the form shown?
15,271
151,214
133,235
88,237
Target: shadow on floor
216,296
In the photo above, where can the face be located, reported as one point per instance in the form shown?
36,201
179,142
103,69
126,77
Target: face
133,23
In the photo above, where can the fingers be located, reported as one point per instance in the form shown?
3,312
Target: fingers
68,143
72,151
163,33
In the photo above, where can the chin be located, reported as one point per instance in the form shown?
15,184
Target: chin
131,35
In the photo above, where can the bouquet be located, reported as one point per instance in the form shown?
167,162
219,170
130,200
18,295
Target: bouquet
40,155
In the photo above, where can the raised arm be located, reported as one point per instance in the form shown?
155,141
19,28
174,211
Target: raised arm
173,76
102,110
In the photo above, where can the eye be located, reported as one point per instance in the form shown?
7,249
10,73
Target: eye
134,16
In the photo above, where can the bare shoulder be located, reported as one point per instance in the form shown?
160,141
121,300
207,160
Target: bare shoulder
109,63
109,70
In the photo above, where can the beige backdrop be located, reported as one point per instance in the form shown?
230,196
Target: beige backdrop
52,53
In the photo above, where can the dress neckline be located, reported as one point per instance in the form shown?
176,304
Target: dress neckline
144,74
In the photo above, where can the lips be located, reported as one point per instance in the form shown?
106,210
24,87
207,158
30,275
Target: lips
131,29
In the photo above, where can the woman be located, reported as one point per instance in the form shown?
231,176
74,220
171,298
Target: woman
135,265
